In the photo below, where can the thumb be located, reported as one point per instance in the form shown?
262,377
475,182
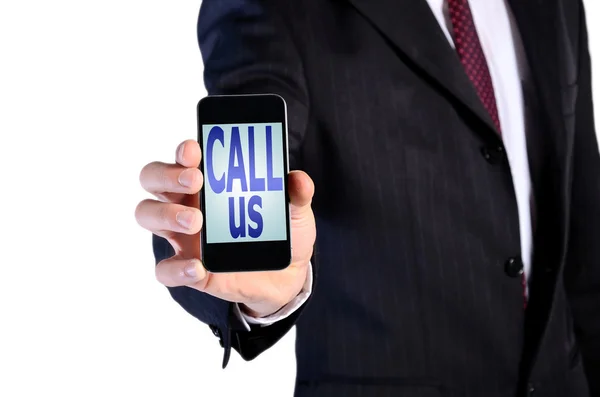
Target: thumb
301,190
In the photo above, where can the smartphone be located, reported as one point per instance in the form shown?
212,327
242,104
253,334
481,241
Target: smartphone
244,198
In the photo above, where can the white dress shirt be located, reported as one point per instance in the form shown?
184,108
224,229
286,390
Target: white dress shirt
505,56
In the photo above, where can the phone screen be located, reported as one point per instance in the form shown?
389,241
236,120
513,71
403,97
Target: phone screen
243,172
244,199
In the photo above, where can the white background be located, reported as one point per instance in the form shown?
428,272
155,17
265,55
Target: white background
89,93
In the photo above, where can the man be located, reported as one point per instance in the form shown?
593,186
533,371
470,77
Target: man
456,196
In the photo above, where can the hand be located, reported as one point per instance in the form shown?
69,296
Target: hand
176,217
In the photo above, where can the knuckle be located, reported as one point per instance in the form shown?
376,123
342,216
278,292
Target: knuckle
146,173
140,210
159,272
162,214
168,272
162,176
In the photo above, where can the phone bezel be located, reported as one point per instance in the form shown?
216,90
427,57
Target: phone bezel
245,256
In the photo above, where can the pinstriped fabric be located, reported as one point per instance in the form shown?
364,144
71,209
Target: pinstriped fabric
473,59
414,224
427,250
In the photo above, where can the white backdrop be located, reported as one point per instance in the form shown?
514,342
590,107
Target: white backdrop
89,93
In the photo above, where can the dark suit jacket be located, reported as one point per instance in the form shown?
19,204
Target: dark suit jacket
416,292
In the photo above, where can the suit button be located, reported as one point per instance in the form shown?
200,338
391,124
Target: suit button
493,155
530,390
514,267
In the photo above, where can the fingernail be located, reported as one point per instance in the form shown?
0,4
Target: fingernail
187,177
185,218
194,270
191,270
180,150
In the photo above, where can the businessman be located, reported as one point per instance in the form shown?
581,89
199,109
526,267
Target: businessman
446,218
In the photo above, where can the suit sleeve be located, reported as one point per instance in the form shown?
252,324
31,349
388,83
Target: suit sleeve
582,275
247,48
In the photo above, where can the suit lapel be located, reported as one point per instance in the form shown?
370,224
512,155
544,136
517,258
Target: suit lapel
412,28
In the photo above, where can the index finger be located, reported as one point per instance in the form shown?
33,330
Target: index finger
188,154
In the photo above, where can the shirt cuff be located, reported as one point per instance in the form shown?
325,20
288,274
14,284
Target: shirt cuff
282,313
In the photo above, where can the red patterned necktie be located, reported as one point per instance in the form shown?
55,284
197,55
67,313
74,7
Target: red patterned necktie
468,46
471,55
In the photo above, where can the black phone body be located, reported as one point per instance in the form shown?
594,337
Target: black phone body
244,198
